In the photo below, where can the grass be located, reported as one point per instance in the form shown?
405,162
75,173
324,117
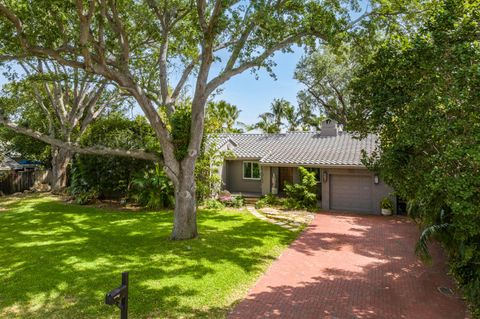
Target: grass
58,260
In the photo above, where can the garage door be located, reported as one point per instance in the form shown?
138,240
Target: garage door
351,193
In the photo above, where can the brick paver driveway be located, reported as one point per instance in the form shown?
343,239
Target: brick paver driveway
352,266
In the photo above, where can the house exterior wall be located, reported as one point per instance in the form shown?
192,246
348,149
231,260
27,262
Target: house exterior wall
222,171
273,171
235,181
378,191
266,179
296,176
232,177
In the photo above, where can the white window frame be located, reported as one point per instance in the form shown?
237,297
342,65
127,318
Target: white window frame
259,171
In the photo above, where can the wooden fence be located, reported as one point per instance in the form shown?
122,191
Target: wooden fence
23,180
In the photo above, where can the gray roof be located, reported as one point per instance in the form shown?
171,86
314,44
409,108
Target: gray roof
8,164
299,148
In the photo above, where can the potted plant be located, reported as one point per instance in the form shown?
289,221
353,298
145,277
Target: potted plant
386,205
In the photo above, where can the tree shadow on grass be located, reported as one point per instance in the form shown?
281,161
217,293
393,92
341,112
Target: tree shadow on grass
58,261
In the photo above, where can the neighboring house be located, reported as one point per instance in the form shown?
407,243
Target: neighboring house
30,165
8,164
263,163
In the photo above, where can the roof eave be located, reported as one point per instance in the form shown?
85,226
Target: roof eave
347,166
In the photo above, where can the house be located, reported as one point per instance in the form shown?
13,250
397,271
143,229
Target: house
30,165
8,164
260,164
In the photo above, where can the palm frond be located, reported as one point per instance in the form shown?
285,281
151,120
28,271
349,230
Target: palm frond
421,248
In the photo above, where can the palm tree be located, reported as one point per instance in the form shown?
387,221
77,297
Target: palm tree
279,109
306,117
225,115
267,124
292,118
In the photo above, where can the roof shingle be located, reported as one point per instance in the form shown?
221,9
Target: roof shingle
300,148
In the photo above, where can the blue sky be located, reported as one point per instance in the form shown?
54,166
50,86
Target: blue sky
253,96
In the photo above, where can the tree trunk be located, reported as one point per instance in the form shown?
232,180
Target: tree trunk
185,213
60,160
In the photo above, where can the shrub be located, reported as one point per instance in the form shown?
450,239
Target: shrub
230,200
82,192
268,200
86,197
153,189
112,175
239,201
302,195
213,204
386,203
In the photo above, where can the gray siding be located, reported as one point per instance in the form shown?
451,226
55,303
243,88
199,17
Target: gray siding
274,171
222,171
266,180
296,176
359,178
236,183
351,192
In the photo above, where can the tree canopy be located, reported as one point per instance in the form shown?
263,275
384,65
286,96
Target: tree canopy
326,76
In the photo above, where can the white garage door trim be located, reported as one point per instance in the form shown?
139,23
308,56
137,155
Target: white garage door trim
351,193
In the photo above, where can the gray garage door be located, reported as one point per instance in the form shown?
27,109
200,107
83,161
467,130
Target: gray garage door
351,193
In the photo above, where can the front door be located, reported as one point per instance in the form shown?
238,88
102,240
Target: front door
285,175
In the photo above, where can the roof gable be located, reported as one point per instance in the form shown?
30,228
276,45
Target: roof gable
9,164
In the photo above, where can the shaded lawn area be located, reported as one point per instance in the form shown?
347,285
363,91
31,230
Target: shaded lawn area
58,260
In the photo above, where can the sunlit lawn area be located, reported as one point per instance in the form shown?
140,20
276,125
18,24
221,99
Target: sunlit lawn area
58,260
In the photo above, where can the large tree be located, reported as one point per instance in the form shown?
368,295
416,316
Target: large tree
266,124
326,76
139,45
66,99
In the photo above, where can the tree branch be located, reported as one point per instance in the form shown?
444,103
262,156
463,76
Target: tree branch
73,147
189,68
227,74
122,35
201,6
16,22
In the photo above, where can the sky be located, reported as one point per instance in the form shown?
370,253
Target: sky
253,96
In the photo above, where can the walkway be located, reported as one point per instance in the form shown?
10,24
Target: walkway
352,266
289,224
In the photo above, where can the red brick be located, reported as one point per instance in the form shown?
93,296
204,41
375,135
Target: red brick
353,266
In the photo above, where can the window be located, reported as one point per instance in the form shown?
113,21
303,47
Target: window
251,170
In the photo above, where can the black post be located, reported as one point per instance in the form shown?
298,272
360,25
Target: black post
119,297
124,300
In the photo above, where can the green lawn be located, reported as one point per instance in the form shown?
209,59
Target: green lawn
58,260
